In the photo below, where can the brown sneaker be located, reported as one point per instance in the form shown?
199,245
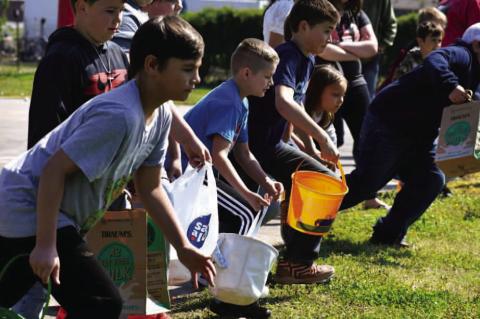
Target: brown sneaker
296,273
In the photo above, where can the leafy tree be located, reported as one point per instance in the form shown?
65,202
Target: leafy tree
3,12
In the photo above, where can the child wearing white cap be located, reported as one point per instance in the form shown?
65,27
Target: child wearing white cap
399,132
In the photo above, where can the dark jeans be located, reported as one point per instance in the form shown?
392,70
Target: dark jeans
370,72
85,290
283,162
384,153
352,111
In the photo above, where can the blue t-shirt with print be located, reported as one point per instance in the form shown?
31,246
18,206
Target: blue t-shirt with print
222,112
266,125
107,138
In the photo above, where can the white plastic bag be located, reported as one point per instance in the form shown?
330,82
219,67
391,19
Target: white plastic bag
196,208
242,264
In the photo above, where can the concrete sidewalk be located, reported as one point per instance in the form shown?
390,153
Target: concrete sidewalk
14,130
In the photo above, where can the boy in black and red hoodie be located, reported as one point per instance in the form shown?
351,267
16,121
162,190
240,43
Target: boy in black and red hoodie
80,63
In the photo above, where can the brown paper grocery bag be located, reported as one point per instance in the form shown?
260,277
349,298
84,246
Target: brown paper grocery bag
157,266
120,242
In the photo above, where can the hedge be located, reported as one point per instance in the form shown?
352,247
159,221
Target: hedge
407,26
222,30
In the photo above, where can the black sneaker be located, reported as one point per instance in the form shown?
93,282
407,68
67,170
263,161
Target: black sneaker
446,192
228,310
402,243
387,237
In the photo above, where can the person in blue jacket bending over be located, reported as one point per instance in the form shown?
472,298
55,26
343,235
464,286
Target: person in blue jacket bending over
399,132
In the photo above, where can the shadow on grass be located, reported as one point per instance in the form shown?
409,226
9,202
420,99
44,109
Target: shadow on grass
202,303
472,185
274,300
186,304
363,249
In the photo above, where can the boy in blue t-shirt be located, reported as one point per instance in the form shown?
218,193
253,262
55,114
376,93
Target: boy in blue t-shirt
311,23
399,132
55,192
220,121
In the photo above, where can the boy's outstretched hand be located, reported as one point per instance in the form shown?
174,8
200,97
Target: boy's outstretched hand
45,263
197,263
273,188
459,95
256,201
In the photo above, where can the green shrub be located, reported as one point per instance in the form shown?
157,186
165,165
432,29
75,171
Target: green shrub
407,25
222,30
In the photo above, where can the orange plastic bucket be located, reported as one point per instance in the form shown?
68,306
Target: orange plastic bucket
314,201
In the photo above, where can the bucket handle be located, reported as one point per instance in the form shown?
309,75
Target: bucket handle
49,286
342,173
339,165
257,222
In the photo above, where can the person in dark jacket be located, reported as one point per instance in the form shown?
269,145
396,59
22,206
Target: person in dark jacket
399,132
384,25
80,62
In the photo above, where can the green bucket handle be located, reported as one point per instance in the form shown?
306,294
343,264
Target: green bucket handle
9,314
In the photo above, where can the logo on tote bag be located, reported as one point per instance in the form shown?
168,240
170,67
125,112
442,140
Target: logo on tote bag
198,230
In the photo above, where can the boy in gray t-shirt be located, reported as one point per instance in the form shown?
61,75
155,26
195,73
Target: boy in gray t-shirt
55,192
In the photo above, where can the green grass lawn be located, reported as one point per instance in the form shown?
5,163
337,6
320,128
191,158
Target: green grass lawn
19,84
14,83
439,277
195,96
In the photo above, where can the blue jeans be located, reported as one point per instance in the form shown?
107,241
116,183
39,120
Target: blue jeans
383,154
352,111
370,72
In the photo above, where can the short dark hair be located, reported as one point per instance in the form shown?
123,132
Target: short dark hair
287,32
165,38
426,29
73,2
90,2
254,54
312,11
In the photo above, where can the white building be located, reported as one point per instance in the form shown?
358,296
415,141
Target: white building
412,5
197,5
35,10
